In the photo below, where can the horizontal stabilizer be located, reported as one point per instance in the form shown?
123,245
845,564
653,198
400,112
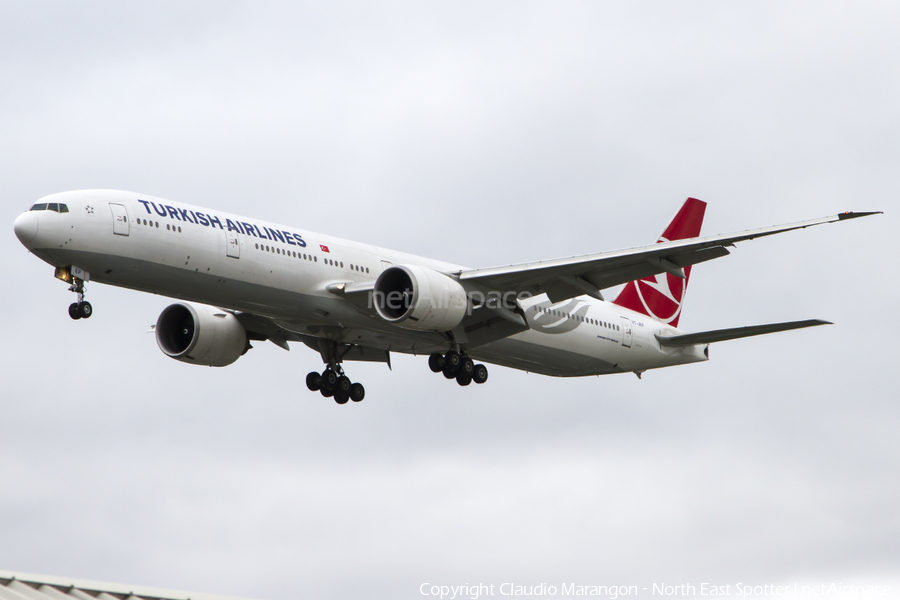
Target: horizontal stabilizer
720,335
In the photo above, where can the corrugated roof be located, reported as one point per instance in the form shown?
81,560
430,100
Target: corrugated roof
28,586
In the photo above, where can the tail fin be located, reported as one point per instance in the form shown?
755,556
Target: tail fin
661,296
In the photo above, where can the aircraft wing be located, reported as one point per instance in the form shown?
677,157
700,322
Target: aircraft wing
261,328
566,278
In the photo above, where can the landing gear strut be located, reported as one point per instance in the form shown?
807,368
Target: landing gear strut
81,309
332,382
459,366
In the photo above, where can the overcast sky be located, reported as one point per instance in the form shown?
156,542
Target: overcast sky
481,134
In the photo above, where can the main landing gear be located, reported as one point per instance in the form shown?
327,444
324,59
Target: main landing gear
81,309
458,366
333,383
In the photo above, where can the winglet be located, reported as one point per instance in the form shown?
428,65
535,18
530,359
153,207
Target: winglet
855,215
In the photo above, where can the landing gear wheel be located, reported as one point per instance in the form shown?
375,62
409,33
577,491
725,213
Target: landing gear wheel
73,311
357,392
451,361
448,373
314,382
327,393
463,380
329,379
341,398
480,374
343,385
436,363
85,310
467,367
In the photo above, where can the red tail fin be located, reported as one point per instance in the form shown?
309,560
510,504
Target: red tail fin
661,296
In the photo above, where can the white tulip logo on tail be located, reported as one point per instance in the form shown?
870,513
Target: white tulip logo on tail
662,296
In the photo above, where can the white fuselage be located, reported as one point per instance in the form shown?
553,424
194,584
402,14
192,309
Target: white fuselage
244,264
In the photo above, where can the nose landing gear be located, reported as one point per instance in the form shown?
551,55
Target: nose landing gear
458,366
81,309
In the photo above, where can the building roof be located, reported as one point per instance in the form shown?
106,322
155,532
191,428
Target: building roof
28,586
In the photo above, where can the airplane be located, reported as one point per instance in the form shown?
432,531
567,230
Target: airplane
240,279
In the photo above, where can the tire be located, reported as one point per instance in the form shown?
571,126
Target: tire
357,392
463,380
327,393
467,367
314,382
448,374
73,311
452,360
85,310
480,375
341,398
329,380
436,363
343,385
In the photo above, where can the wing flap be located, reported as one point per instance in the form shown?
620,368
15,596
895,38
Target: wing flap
721,335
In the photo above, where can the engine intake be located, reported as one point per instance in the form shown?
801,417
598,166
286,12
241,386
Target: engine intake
200,335
419,298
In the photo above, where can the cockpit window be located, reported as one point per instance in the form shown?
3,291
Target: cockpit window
52,206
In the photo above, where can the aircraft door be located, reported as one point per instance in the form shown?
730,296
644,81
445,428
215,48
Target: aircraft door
120,219
627,334
232,244
386,264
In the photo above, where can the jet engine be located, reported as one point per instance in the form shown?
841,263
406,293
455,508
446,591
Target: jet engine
419,298
200,335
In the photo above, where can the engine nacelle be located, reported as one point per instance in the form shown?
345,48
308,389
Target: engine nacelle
200,335
420,298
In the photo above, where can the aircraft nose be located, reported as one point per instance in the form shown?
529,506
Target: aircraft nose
26,227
